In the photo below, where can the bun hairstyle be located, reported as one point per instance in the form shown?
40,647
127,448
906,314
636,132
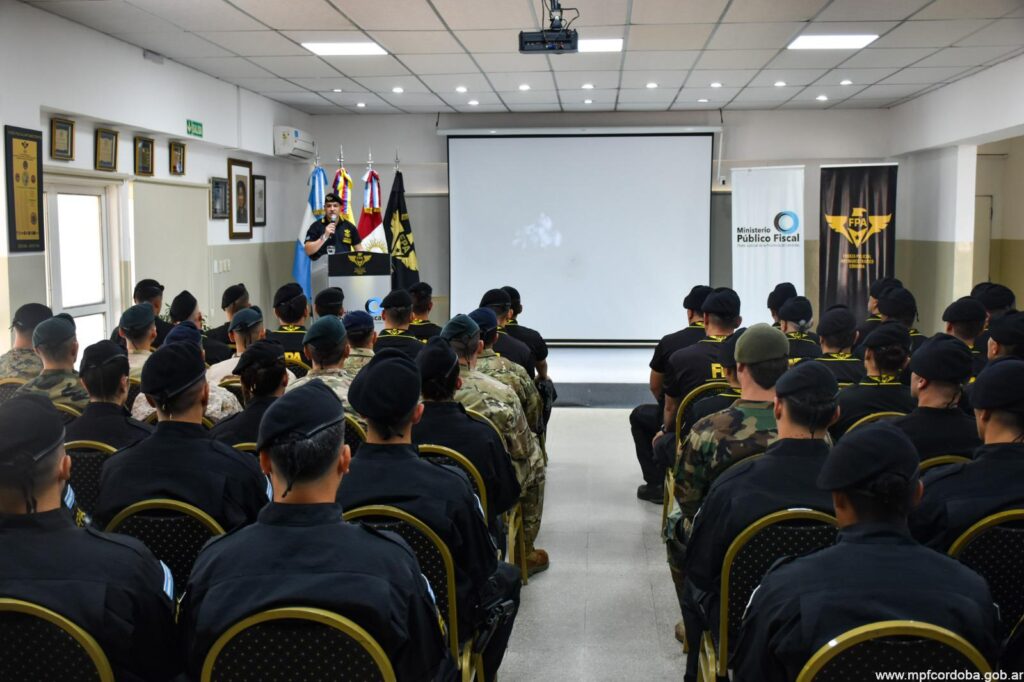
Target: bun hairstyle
292,310
890,359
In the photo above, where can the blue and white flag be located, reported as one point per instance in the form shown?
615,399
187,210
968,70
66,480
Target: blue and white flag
301,270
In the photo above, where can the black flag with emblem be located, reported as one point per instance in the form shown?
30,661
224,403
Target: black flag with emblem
405,270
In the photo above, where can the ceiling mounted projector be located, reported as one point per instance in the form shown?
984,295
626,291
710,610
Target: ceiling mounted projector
558,38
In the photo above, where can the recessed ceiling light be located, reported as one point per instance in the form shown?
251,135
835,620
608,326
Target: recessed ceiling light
822,98
716,84
493,132
703,100
846,81
336,90
588,101
473,102
588,86
461,89
398,89
652,85
600,45
344,49
361,105
832,42
780,84
523,87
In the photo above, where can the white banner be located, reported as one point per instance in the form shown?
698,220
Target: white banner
768,231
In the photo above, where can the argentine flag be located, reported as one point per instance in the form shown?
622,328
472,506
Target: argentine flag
301,269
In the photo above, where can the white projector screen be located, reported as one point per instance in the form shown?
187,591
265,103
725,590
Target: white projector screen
602,235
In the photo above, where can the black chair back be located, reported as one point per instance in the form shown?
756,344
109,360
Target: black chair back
134,388
994,549
8,387
354,433
87,459
40,645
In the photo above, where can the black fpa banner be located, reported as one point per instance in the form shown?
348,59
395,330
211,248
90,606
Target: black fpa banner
858,233
405,268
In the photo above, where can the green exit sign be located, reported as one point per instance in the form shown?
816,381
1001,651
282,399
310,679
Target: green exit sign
194,128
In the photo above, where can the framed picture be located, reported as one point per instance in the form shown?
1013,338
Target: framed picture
105,152
144,156
62,139
218,198
240,199
177,158
259,200
23,158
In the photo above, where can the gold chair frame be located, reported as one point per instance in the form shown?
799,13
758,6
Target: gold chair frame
90,445
940,460
165,504
83,638
231,382
9,381
297,363
352,425
245,447
327,618
68,409
153,419
890,628
480,417
873,417
464,464
997,519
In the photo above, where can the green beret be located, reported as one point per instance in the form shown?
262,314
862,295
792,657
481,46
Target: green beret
138,317
247,318
760,343
53,331
327,331
459,327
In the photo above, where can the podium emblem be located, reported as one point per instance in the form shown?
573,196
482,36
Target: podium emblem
359,259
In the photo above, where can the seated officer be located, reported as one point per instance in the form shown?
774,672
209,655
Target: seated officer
299,552
361,337
136,330
706,407
886,356
179,460
782,292
874,572
245,329
396,309
795,319
874,292
965,319
937,426
185,308
292,310
330,301
388,470
959,495
897,303
445,422
21,361
422,303
999,300
264,379
152,292
507,372
56,344
110,585
507,346
105,375
234,299
837,332
532,338
325,345
806,402
1006,337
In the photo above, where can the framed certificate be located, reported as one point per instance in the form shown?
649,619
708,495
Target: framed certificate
62,139
23,150
105,150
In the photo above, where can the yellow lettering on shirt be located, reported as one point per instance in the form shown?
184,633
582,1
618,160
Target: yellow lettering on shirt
717,371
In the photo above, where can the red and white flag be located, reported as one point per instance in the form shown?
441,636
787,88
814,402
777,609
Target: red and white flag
371,222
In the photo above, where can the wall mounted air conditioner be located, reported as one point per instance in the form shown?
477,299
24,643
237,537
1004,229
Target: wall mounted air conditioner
293,143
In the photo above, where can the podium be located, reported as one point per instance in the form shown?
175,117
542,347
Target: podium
364,276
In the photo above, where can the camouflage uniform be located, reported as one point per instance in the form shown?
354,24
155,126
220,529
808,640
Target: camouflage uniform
136,359
337,380
356,360
516,378
60,386
223,403
499,403
20,363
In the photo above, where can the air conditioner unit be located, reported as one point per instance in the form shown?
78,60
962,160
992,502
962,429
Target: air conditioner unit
293,143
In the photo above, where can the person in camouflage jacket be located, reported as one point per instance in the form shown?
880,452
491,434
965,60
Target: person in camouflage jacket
57,345
324,344
21,361
507,372
361,337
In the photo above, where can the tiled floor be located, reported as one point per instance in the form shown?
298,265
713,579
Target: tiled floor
605,610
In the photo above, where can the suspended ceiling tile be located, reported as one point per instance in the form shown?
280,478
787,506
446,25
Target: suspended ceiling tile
737,78
668,37
417,42
255,43
754,36
871,58
473,82
410,15
926,75
769,77
438,63
964,56
294,14
734,59
574,80
362,66
227,67
974,9
1008,32
384,84
773,10
677,11
512,62
666,80
660,60
200,15
510,82
930,33
857,10
176,44
298,67
472,14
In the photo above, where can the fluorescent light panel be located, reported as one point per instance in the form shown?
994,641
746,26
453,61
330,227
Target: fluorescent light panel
344,49
832,42
600,45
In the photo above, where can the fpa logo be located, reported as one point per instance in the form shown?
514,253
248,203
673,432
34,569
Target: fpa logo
786,222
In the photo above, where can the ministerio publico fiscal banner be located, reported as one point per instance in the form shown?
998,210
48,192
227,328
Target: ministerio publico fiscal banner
767,235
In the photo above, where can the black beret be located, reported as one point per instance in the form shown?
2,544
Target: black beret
513,294
28,316
888,333
232,294
496,297
942,358
172,369
387,387
102,352
421,290
286,293
999,385
147,289
331,296
881,284
306,411
1008,329
184,332
32,429
57,329
328,331
797,309
182,307
261,354
994,296
723,302
965,309
332,197
808,380
727,351
485,319
138,317
780,294
357,321
862,455
399,298
695,299
897,302
246,318
836,321
459,327
437,360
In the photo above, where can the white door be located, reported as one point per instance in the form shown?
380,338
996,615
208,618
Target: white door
982,236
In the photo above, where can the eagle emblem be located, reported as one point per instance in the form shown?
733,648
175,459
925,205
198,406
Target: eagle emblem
859,226
359,258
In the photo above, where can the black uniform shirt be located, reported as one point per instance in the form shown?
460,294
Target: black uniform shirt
959,495
107,423
181,462
516,351
530,337
304,555
439,496
670,343
244,426
979,359
402,339
940,432
290,337
782,478
424,329
872,394
220,334
345,237
447,424
874,572
162,327
109,584
803,345
916,339
692,366
216,351
846,367
869,325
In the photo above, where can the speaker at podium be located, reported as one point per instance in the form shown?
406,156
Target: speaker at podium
364,276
